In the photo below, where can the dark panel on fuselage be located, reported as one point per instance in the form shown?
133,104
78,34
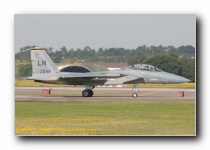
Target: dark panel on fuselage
78,69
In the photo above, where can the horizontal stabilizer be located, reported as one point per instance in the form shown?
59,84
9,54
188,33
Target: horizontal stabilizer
42,78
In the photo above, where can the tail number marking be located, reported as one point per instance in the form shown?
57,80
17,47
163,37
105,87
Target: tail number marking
42,63
44,71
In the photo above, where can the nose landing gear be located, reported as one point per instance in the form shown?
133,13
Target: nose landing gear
134,95
135,89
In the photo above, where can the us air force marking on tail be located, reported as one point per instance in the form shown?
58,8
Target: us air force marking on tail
43,63
44,70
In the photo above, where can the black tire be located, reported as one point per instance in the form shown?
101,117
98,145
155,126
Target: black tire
90,93
85,93
134,95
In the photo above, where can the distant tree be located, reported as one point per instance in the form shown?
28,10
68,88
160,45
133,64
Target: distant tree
87,48
26,48
57,57
25,70
188,68
138,59
49,50
186,50
168,63
100,49
25,55
63,53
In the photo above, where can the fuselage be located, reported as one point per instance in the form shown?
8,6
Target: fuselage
127,75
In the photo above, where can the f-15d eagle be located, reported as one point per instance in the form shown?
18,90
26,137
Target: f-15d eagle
45,71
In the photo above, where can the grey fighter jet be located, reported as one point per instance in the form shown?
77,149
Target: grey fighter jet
45,71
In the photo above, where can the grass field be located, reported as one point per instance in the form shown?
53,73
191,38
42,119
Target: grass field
32,83
44,118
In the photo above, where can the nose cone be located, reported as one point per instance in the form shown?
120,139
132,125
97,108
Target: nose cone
179,79
172,78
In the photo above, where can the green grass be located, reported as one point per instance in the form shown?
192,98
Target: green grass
44,118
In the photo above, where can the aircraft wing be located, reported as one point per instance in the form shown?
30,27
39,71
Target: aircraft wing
42,78
65,75
115,78
91,75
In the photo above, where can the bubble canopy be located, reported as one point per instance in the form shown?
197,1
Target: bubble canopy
144,67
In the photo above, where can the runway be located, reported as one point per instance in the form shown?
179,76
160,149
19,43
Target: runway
73,94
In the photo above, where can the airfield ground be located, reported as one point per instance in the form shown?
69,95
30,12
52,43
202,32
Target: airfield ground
111,111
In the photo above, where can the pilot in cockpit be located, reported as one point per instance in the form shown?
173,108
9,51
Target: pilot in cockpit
132,67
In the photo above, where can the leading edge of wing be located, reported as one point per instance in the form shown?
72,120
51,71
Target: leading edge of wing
90,75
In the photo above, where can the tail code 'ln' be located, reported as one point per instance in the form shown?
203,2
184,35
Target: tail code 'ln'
42,63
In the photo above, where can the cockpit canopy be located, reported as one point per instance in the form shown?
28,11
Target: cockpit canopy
144,67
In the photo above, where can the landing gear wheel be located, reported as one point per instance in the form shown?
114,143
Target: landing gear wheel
87,93
135,89
90,93
134,95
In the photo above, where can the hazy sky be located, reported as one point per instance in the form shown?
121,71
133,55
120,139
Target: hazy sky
106,31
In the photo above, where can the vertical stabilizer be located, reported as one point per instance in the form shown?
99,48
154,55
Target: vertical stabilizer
42,65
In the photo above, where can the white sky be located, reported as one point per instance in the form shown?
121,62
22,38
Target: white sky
127,31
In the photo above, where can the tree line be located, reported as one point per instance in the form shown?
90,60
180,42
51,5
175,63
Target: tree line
107,54
180,61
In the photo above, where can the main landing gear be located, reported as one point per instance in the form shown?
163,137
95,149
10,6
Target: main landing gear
88,92
135,89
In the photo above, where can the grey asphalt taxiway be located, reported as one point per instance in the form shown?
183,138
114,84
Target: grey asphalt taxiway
73,94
